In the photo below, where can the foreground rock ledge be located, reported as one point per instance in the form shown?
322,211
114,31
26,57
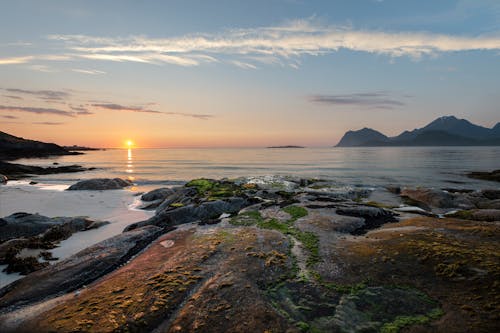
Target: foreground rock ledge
298,260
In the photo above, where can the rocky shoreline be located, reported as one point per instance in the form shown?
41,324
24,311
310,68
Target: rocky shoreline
276,254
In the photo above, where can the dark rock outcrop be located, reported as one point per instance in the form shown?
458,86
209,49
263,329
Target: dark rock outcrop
78,270
98,184
16,171
3,179
28,225
492,176
157,194
13,147
374,217
191,213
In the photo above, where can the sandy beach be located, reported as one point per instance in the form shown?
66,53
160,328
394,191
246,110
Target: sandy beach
115,206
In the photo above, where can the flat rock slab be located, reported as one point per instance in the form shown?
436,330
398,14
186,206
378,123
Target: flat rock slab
78,270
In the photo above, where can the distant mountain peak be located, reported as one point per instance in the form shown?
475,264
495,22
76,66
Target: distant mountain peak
445,130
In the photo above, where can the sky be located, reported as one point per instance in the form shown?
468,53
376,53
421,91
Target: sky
243,73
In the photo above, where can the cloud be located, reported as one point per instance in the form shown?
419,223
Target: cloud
118,107
88,71
36,110
80,110
8,117
243,65
373,100
15,60
13,97
282,43
48,95
47,123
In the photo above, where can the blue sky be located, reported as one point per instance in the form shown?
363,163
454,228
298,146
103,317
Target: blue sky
243,73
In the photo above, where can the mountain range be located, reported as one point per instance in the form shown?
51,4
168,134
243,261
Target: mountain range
444,131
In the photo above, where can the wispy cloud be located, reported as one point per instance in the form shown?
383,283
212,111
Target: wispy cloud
81,110
283,43
118,107
48,123
47,95
15,60
88,71
36,110
246,48
372,100
244,65
13,97
8,117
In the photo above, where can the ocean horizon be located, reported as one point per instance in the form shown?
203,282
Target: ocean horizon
361,166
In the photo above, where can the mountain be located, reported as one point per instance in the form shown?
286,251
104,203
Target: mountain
444,131
362,137
13,147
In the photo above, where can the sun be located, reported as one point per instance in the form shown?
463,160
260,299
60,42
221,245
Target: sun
129,143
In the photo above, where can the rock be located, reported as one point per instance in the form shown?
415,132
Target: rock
369,309
16,171
98,184
29,225
157,194
414,210
492,176
3,179
191,213
430,197
182,196
491,194
33,183
374,217
490,204
438,199
489,215
78,270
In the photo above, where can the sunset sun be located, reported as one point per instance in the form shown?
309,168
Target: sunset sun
129,143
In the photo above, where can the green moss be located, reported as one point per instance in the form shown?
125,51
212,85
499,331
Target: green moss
296,212
202,185
214,190
247,218
303,327
404,321
177,204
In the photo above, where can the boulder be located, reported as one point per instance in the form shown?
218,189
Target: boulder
98,184
157,194
490,204
437,198
191,213
373,217
78,270
29,225
489,215
3,179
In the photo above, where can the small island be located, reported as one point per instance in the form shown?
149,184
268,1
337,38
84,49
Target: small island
285,147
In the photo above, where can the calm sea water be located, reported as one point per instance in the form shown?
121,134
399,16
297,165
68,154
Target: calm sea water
404,166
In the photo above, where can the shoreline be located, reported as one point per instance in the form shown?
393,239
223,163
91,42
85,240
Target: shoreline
116,206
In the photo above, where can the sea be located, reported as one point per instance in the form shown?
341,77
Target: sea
435,167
